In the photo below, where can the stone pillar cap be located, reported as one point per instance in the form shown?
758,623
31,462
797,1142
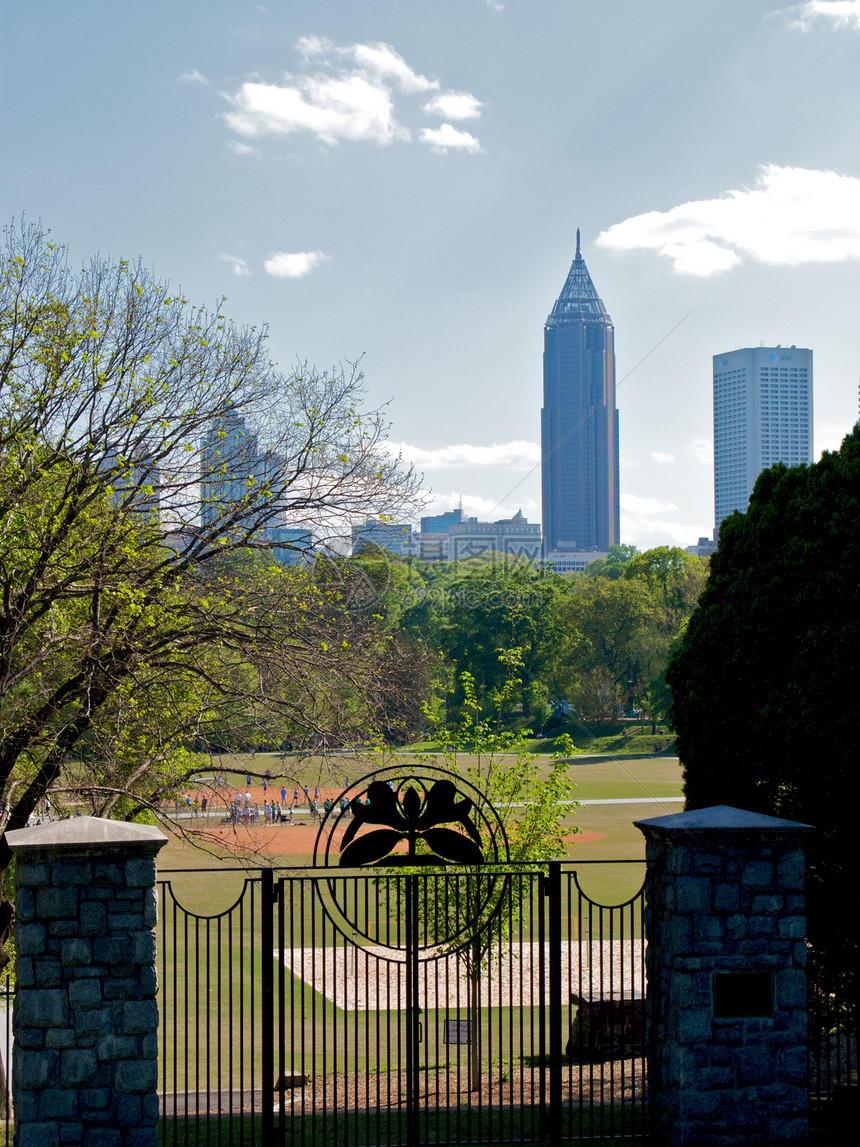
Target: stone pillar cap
721,818
84,832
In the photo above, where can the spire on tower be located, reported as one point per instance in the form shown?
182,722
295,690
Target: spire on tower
578,298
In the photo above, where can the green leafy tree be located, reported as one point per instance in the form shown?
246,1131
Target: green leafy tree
500,606
145,446
619,622
613,565
764,681
501,766
676,580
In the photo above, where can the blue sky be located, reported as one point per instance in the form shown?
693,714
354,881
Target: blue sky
403,180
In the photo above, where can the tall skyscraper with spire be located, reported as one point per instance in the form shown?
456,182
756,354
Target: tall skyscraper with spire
579,420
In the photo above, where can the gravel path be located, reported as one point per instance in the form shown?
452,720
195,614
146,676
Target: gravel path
373,978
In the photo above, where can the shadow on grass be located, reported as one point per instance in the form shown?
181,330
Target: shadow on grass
443,1126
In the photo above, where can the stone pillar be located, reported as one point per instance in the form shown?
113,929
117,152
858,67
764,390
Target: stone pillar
725,923
84,1068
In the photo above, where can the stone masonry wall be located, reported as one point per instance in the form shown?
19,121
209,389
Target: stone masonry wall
85,1066
720,901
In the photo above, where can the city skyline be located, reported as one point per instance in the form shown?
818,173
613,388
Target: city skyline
404,182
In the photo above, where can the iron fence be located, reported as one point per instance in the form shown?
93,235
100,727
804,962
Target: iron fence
7,999
833,1010
499,1005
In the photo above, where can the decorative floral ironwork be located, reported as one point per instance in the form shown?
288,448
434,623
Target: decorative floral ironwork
411,819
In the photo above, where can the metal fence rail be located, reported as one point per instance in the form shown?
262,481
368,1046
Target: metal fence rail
7,1001
832,1018
375,1007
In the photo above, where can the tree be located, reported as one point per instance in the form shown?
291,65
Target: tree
148,451
483,609
675,578
764,681
618,620
613,565
501,767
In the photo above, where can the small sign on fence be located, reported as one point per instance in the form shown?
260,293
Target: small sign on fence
458,1031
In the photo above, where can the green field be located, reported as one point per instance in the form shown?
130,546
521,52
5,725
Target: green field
625,778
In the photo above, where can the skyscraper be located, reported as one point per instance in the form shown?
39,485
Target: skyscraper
579,421
762,415
232,469
236,481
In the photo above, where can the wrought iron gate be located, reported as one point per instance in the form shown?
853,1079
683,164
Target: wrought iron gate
531,1031
483,1002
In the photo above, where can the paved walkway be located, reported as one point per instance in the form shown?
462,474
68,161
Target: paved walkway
635,800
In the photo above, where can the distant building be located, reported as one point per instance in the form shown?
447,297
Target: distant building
231,467
428,547
762,415
704,548
441,523
135,478
572,561
291,545
469,538
391,536
579,421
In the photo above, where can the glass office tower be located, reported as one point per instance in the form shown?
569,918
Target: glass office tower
579,421
762,415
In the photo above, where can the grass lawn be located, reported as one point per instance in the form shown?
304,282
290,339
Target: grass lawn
611,834
451,1125
622,776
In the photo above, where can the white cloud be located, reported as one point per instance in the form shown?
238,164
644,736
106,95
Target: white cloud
447,138
792,215
842,14
828,436
333,108
240,148
702,450
633,504
643,523
379,60
382,60
192,77
237,265
663,459
454,105
516,455
350,93
312,46
293,264
645,533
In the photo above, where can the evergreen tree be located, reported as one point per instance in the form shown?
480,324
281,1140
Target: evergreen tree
764,681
